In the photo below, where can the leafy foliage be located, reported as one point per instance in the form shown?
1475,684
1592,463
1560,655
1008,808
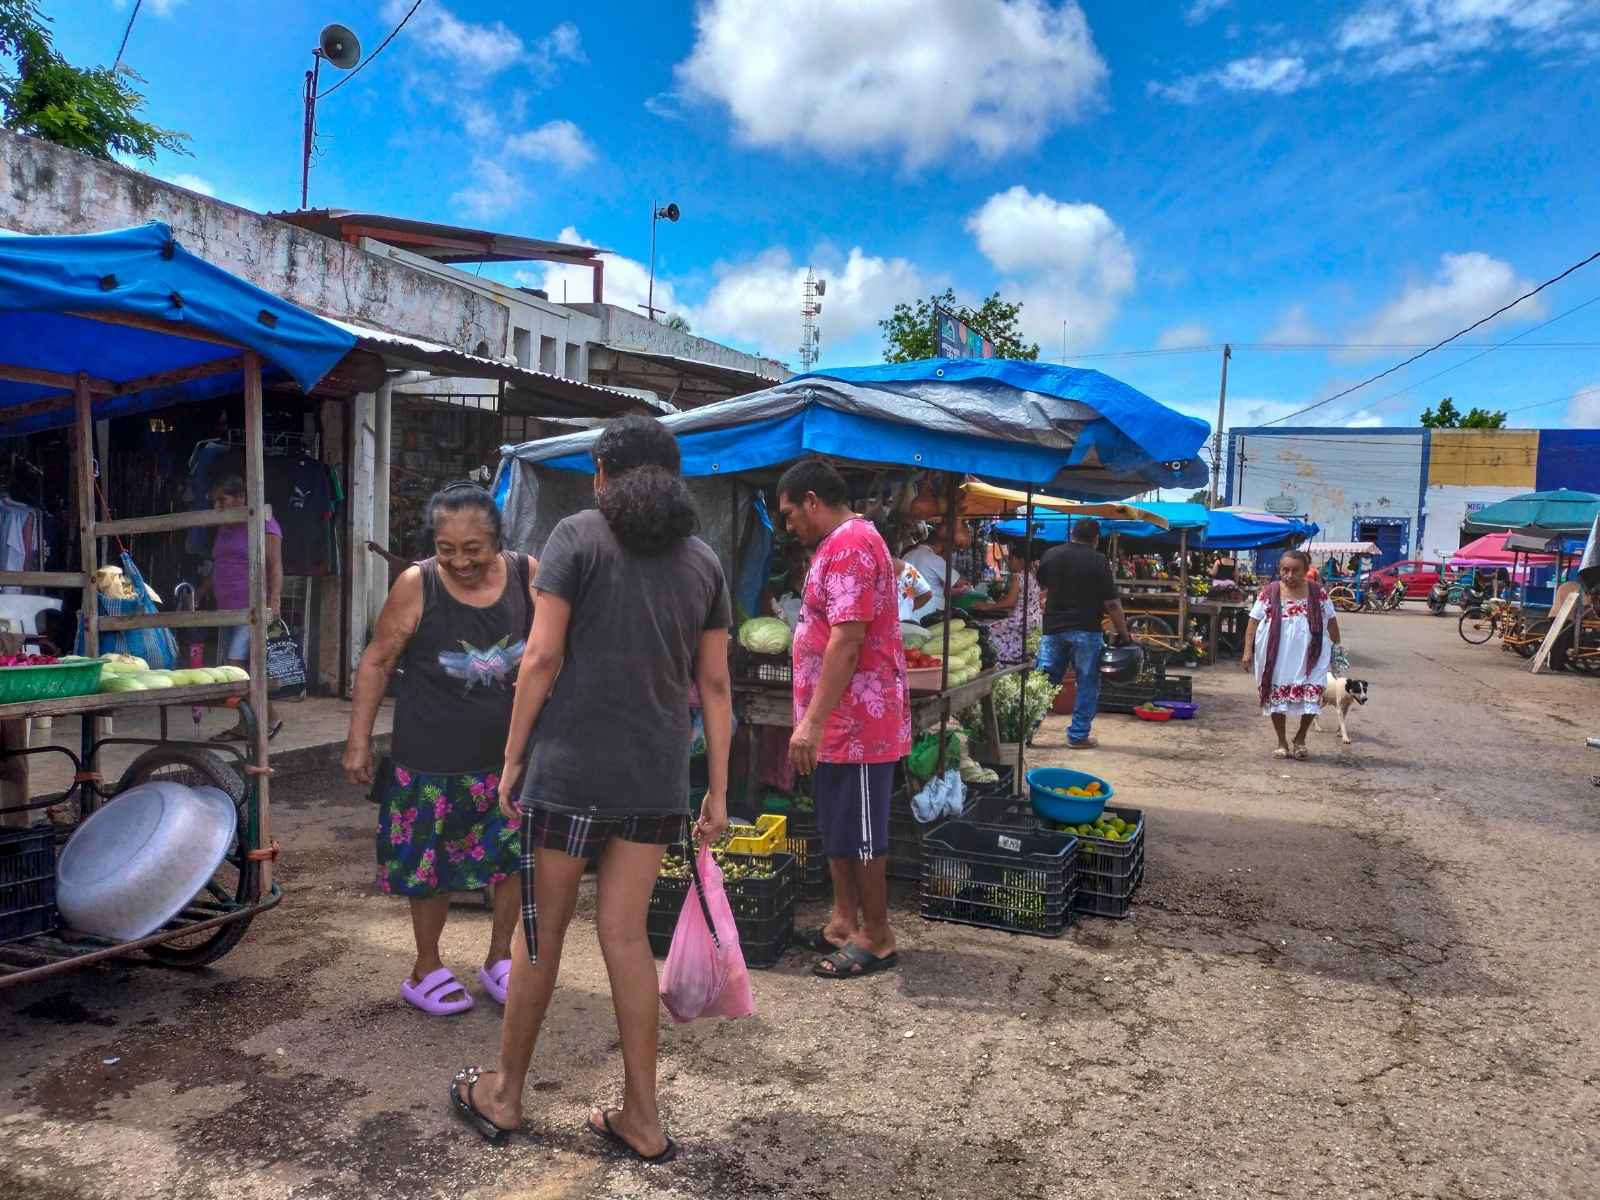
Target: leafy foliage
1446,416
677,321
908,334
93,110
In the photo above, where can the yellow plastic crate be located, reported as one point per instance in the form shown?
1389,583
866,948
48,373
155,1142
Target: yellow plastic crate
766,836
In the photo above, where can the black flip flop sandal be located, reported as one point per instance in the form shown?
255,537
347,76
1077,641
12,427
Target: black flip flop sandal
817,941
846,960
611,1137
467,1110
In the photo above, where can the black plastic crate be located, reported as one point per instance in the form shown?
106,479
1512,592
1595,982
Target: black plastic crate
776,669
1021,882
1004,786
1175,687
803,839
1124,697
27,882
1109,872
763,909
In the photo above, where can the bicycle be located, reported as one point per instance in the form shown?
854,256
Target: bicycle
1477,625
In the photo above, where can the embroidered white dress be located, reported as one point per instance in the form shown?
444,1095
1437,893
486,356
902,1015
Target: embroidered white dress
1296,690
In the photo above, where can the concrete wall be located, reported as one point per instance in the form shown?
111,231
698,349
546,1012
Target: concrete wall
624,330
1334,476
45,189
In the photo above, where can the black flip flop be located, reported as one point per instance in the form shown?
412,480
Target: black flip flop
844,961
467,1110
817,941
612,1137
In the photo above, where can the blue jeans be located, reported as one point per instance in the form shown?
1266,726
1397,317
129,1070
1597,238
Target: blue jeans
1079,652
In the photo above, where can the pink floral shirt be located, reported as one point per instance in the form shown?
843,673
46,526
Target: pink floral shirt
852,579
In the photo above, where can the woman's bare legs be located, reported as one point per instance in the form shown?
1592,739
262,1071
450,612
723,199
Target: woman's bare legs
628,873
1280,726
555,883
507,898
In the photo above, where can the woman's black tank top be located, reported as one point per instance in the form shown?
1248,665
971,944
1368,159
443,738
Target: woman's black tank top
453,706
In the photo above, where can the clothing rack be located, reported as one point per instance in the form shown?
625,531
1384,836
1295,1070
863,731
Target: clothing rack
281,443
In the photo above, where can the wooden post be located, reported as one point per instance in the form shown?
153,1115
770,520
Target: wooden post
254,475
88,549
1022,680
1183,585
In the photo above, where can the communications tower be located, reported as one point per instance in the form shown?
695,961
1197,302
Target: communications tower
810,306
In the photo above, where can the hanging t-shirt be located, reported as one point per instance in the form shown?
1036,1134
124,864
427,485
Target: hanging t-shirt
852,579
230,563
303,506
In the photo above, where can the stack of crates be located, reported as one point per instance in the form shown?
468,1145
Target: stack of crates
27,882
763,904
1012,879
1109,872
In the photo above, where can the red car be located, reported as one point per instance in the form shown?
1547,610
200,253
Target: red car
1418,577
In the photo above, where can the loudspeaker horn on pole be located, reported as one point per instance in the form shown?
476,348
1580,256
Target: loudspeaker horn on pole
340,47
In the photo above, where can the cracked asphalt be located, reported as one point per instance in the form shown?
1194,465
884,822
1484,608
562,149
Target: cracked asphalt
1372,974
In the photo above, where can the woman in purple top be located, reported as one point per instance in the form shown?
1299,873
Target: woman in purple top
229,583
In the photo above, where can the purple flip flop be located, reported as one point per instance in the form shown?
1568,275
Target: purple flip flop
425,995
495,979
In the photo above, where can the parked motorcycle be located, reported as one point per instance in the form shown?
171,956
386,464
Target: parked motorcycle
1466,595
1438,599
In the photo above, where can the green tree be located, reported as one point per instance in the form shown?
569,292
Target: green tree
1447,416
908,334
1203,496
677,321
94,110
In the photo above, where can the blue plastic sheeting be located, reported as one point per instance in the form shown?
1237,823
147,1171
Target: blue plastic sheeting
1218,531
1163,434
144,273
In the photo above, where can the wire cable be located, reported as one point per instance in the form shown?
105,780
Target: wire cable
1460,333
116,62
381,45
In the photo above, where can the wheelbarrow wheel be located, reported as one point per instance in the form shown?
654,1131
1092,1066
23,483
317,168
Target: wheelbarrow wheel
199,767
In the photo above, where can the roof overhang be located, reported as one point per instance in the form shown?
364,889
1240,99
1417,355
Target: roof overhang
442,243
684,382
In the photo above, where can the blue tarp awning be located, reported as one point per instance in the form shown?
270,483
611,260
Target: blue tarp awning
1207,529
1087,434
124,306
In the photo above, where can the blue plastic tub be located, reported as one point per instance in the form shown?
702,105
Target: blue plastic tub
1182,710
1068,810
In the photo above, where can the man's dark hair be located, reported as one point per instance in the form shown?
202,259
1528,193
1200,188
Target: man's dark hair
459,497
1085,530
813,475
645,501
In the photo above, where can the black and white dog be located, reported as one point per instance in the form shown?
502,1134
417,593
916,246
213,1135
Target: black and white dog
1341,694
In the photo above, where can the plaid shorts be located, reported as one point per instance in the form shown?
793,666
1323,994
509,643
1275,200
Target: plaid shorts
583,837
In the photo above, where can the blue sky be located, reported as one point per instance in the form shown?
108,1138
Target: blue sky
1347,175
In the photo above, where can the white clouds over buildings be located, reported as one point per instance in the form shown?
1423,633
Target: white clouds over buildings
1466,288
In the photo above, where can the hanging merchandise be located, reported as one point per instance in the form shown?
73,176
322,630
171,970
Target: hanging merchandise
286,663
156,646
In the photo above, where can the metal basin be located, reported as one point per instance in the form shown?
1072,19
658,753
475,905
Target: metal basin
131,867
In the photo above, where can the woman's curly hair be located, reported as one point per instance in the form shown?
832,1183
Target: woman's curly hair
645,501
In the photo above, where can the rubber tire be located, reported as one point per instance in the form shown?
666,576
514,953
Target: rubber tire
1535,629
208,769
1469,618
1342,598
1150,626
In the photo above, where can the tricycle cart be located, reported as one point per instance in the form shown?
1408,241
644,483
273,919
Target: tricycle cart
114,324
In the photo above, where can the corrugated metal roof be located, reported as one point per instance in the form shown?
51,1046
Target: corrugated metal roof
442,243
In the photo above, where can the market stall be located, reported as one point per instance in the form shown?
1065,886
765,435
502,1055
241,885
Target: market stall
891,429
94,327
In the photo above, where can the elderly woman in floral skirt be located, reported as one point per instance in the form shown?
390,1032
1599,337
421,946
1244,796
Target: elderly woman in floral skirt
1290,641
459,622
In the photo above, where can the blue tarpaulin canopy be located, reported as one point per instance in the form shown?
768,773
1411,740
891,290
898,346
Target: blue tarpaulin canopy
1084,433
142,318
1207,529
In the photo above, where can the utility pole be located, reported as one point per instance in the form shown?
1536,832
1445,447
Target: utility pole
1216,437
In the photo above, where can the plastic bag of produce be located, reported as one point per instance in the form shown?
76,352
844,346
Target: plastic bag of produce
705,975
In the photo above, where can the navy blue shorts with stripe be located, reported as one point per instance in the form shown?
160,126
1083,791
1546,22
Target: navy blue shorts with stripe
852,808
583,836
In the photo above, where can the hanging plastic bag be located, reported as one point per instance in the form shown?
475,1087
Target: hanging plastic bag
156,646
705,975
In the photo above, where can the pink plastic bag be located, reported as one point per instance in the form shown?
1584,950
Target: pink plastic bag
705,976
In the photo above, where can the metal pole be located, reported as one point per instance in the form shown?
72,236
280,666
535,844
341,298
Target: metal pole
1027,667
1216,436
311,125
256,528
951,504
650,296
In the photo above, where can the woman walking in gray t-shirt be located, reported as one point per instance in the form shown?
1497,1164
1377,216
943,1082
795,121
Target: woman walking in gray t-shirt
631,609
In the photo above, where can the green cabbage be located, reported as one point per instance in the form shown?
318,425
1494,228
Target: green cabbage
764,635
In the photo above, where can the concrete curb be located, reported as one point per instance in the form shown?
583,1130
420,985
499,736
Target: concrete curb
306,760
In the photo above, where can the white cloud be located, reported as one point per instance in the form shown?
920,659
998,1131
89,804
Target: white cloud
1067,262
193,183
490,189
1294,328
1583,410
1187,334
626,280
1199,10
161,8
1278,75
1467,288
915,76
479,52
757,303
558,142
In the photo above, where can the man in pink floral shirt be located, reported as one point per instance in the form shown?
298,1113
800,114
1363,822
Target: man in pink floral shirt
852,711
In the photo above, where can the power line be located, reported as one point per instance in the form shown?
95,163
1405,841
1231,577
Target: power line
1211,348
1406,363
128,30
381,45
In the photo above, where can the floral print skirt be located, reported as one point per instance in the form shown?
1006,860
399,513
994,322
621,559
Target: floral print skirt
442,833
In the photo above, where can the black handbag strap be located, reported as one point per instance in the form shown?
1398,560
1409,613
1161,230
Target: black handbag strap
699,890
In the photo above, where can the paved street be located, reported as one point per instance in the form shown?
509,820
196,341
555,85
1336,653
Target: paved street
1367,975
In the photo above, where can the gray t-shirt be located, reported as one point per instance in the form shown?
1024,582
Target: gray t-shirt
613,739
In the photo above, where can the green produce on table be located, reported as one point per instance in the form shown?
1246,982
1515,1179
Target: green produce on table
1008,705
764,635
